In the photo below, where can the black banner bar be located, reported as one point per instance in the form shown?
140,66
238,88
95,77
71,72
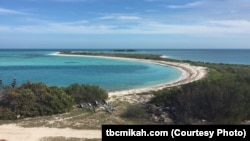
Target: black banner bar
176,132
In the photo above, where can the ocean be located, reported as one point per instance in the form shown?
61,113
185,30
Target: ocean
110,74
226,56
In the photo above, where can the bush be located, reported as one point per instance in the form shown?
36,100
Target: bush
222,98
135,112
86,93
33,99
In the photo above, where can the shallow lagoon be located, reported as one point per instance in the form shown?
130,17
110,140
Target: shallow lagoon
110,74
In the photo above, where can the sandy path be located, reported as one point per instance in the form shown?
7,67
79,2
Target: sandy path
12,132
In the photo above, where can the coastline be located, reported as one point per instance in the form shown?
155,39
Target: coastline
15,132
189,74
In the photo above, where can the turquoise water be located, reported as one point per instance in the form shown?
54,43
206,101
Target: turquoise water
110,74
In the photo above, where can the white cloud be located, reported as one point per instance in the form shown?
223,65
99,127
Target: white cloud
128,18
207,10
188,5
5,28
57,28
232,26
210,28
120,17
80,22
107,17
232,23
9,11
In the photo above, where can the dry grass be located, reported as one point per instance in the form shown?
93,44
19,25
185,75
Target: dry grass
82,119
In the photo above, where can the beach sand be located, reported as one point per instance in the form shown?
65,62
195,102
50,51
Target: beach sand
12,132
189,74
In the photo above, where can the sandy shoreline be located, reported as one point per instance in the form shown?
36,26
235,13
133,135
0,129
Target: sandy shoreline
189,74
13,132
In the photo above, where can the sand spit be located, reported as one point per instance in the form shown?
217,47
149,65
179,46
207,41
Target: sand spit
189,74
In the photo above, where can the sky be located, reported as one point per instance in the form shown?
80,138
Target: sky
129,24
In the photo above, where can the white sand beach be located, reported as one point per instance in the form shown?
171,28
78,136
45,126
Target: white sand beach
189,74
12,132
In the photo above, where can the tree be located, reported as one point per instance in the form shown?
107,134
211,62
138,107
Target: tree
33,99
222,98
86,93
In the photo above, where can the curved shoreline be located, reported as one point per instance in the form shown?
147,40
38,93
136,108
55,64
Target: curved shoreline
189,74
14,132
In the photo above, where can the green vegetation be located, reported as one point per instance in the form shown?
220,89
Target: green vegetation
135,112
37,99
124,50
33,99
221,98
86,93
138,56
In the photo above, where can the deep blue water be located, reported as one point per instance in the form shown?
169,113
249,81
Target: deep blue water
227,56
